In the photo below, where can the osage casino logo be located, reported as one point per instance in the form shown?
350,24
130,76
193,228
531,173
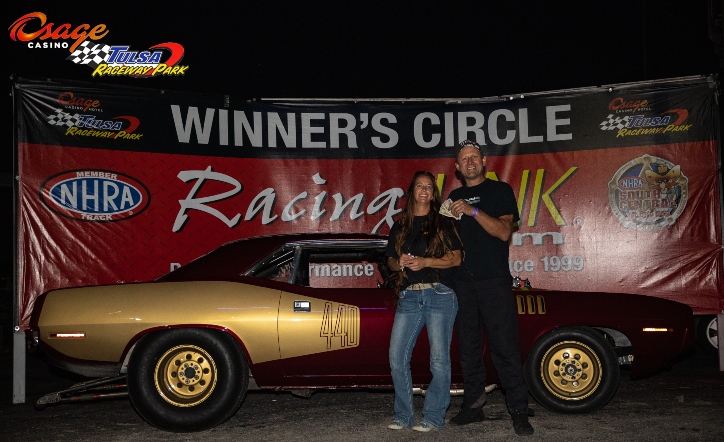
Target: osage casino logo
162,59
71,102
32,27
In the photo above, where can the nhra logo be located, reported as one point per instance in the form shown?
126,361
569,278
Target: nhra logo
631,182
648,193
95,195
116,61
121,127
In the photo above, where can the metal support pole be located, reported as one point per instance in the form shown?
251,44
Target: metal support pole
18,368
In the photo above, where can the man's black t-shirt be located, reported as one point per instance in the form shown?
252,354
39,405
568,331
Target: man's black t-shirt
485,256
416,243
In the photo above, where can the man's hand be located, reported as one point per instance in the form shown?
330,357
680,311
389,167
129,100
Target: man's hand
461,207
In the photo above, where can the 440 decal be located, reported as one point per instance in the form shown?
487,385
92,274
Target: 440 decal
340,323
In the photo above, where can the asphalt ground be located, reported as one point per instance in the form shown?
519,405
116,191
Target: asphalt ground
683,403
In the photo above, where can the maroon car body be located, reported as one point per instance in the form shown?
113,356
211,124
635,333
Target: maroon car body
615,314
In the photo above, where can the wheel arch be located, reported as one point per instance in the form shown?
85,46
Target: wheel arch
618,340
613,336
621,344
130,347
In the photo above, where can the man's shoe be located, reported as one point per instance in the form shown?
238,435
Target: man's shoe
424,427
520,423
397,425
468,415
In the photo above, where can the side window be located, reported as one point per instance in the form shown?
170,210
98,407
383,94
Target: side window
277,266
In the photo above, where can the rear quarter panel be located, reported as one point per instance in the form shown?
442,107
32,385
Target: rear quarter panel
113,316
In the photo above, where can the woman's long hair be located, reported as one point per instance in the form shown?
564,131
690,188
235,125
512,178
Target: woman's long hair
438,244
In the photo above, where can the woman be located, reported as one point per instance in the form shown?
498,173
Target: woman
422,249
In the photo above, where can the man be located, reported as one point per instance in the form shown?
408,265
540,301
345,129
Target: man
483,286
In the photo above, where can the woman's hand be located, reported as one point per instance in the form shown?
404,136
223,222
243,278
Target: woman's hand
413,263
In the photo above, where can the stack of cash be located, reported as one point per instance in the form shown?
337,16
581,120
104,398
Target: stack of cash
445,210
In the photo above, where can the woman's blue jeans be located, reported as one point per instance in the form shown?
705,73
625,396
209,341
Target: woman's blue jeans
435,308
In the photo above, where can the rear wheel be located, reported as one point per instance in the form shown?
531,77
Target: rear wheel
572,370
187,379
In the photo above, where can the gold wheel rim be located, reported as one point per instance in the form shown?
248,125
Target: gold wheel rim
571,370
185,375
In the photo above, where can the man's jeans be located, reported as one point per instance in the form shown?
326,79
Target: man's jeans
435,308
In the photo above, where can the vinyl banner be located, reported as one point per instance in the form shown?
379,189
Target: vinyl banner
617,187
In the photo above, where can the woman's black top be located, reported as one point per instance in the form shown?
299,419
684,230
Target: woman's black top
416,243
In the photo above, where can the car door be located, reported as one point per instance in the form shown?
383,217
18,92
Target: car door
335,321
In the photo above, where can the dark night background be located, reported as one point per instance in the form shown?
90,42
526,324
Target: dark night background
406,49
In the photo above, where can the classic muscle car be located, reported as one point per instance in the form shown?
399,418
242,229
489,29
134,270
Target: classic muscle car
305,312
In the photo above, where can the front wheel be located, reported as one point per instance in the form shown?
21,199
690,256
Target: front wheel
572,370
187,379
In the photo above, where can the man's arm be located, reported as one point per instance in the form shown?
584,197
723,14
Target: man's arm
501,228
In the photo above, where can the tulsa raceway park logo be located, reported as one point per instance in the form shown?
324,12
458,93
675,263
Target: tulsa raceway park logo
117,61
90,126
106,60
630,125
95,195
648,193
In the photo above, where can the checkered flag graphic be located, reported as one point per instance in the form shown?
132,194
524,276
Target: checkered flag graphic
614,123
91,54
60,118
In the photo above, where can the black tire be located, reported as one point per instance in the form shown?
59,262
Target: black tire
207,392
572,370
706,334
